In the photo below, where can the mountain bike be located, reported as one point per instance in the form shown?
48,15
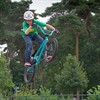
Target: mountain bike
48,47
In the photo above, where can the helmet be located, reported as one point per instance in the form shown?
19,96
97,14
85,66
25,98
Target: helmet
28,15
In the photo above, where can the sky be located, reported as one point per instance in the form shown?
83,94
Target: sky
40,5
2,47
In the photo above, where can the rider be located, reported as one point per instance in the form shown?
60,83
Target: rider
29,33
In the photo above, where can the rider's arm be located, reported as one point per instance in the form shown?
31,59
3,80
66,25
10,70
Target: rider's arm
50,27
28,30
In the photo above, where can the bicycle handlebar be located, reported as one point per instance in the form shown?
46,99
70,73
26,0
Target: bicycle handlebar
50,31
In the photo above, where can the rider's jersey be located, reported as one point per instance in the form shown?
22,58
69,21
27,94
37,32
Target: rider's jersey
33,31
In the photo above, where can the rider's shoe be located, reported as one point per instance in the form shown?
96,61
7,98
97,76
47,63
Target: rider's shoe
48,58
27,64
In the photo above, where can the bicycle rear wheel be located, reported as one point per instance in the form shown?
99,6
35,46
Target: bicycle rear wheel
51,48
29,73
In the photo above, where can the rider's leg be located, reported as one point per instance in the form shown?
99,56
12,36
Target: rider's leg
38,38
32,52
28,41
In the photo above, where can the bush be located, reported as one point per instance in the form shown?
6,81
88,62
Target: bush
94,93
30,94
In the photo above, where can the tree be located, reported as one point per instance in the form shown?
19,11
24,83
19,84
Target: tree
82,8
90,53
72,77
5,76
4,7
4,10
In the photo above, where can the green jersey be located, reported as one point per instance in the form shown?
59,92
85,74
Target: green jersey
33,31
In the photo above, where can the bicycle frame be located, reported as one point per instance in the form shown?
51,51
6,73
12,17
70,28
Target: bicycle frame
40,51
37,56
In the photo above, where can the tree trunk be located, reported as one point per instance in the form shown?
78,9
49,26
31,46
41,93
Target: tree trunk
87,24
77,56
77,48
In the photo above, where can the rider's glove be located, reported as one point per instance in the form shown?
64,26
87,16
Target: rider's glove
56,31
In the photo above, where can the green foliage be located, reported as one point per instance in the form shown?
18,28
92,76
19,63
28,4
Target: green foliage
90,52
17,71
95,26
94,93
5,76
5,6
72,77
54,10
30,94
24,90
81,5
70,21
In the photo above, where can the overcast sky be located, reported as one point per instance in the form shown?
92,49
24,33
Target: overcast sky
40,5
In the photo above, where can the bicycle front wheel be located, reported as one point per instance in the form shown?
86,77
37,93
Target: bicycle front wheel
51,49
29,73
